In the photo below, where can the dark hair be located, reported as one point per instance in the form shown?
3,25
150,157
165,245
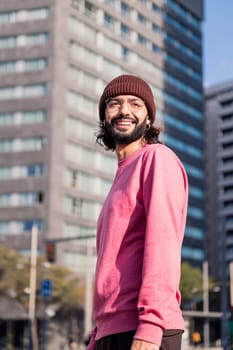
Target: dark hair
104,139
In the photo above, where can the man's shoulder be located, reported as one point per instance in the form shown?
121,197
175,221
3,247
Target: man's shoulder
158,149
163,153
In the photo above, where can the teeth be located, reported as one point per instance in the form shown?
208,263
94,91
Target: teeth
124,122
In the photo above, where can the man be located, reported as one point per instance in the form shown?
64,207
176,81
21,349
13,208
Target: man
140,228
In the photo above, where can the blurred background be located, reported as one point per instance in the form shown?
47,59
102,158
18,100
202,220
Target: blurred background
55,59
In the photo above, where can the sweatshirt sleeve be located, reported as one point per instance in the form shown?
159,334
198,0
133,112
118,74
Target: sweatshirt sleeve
165,192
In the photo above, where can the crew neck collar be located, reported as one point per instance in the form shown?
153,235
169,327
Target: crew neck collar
132,156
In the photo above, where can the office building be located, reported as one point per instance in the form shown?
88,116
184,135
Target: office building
219,150
55,59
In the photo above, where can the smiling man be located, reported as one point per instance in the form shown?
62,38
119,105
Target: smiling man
140,228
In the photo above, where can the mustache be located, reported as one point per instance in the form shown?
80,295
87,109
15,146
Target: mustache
125,117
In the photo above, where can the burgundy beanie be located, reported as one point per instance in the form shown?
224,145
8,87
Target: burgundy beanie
128,85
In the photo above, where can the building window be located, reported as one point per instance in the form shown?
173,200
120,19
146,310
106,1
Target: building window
36,14
79,129
24,15
156,49
183,29
227,117
110,2
125,53
23,40
23,66
34,170
192,253
35,64
6,146
79,155
184,147
142,40
170,99
80,29
80,102
227,132
8,92
194,171
227,160
79,262
180,125
111,45
21,171
195,212
125,31
227,103
32,143
81,207
35,90
142,19
196,192
86,183
86,157
33,117
12,92
180,46
7,119
227,145
27,199
5,200
155,7
22,145
8,42
227,174
90,9
8,17
111,68
36,39
19,227
77,4
125,9
109,21
7,67
187,16
194,232
20,199
70,230
82,54
18,118
81,77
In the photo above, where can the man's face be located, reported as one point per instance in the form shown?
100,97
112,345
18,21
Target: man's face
126,118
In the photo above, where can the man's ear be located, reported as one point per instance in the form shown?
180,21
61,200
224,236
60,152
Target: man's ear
148,124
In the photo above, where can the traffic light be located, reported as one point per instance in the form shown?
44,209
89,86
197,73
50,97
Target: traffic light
51,252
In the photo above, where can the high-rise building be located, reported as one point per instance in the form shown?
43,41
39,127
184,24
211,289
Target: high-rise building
55,59
219,149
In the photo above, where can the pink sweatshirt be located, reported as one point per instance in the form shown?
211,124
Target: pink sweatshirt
139,237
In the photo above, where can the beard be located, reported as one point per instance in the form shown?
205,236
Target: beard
120,138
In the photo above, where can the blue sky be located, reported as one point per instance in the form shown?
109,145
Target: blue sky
218,41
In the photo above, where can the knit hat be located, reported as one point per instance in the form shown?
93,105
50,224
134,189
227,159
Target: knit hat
128,85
